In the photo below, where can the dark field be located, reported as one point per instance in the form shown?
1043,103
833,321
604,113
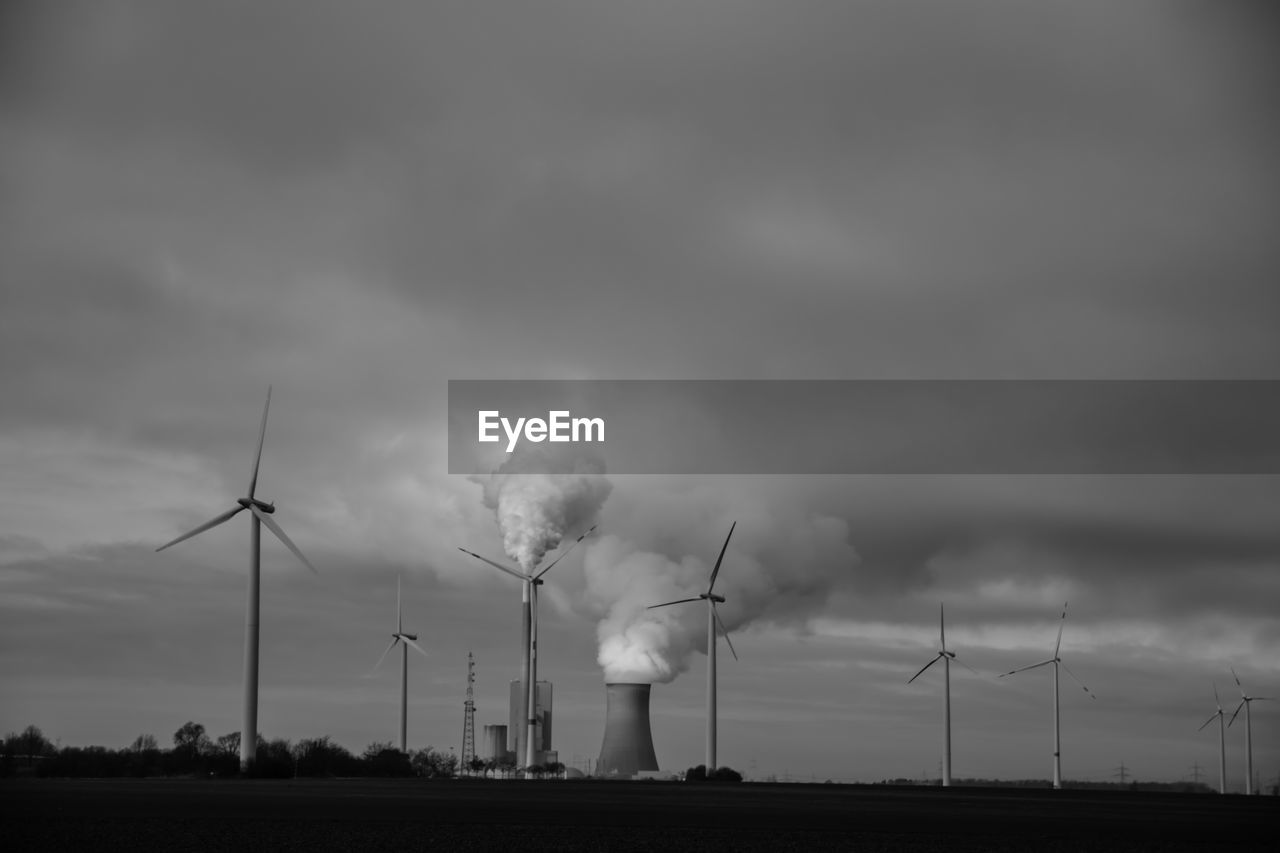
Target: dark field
377,815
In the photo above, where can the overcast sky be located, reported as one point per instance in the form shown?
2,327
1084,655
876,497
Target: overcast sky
358,202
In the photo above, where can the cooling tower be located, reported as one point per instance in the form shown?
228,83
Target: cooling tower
628,742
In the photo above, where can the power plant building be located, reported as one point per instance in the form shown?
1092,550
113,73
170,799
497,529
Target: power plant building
519,717
494,745
628,740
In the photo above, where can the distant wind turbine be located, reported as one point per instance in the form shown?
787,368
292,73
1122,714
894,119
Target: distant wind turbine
261,512
712,619
1222,742
1056,660
1245,700
399,636
529,637
946,657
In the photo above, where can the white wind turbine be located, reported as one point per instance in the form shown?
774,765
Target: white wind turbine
1056,660
1222,742
1245,700
712,619
946,657
529,637
401,636
261,512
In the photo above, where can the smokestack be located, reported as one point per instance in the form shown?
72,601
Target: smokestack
628,741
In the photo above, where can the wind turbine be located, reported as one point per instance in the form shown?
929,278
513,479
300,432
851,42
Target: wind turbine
261,512
1222,742
529,637
1056,660
712,618
409,640
946,657
1245,699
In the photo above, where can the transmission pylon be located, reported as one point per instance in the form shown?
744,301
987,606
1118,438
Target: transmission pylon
469,717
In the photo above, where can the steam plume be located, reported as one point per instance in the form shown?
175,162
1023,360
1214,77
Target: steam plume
783,569
540,495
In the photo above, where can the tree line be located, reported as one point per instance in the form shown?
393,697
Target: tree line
194,753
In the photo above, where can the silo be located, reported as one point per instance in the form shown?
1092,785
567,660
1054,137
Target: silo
495,743
628,741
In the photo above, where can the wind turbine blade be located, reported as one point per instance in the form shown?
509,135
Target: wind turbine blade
384,656
1261,699
202,528
723,630
420,649
1078,681
1058,645
262,434
1208,721
1233,715
966,666
1025,668
399,618
942,626
566,552
669,603
497,566
1216,700
723,548
275,528
1237,678
923,668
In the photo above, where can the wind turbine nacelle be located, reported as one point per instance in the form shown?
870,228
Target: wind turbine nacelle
262,505
719,599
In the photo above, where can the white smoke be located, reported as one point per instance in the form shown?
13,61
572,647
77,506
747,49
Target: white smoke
540,495
779,567
781,563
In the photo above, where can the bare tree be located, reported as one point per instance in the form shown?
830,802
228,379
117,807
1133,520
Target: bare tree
144,743
31,743
190,740
229,744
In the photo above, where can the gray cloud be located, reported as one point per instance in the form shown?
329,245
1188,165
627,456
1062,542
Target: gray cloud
359,204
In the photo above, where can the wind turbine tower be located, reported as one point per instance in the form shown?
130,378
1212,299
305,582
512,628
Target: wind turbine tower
1056,660
400,636
529,638
262,512
713,619
1222,742
1245,701
946,657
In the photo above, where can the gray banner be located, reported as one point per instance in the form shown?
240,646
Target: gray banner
872,426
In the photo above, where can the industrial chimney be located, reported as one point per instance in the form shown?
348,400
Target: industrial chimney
628,742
